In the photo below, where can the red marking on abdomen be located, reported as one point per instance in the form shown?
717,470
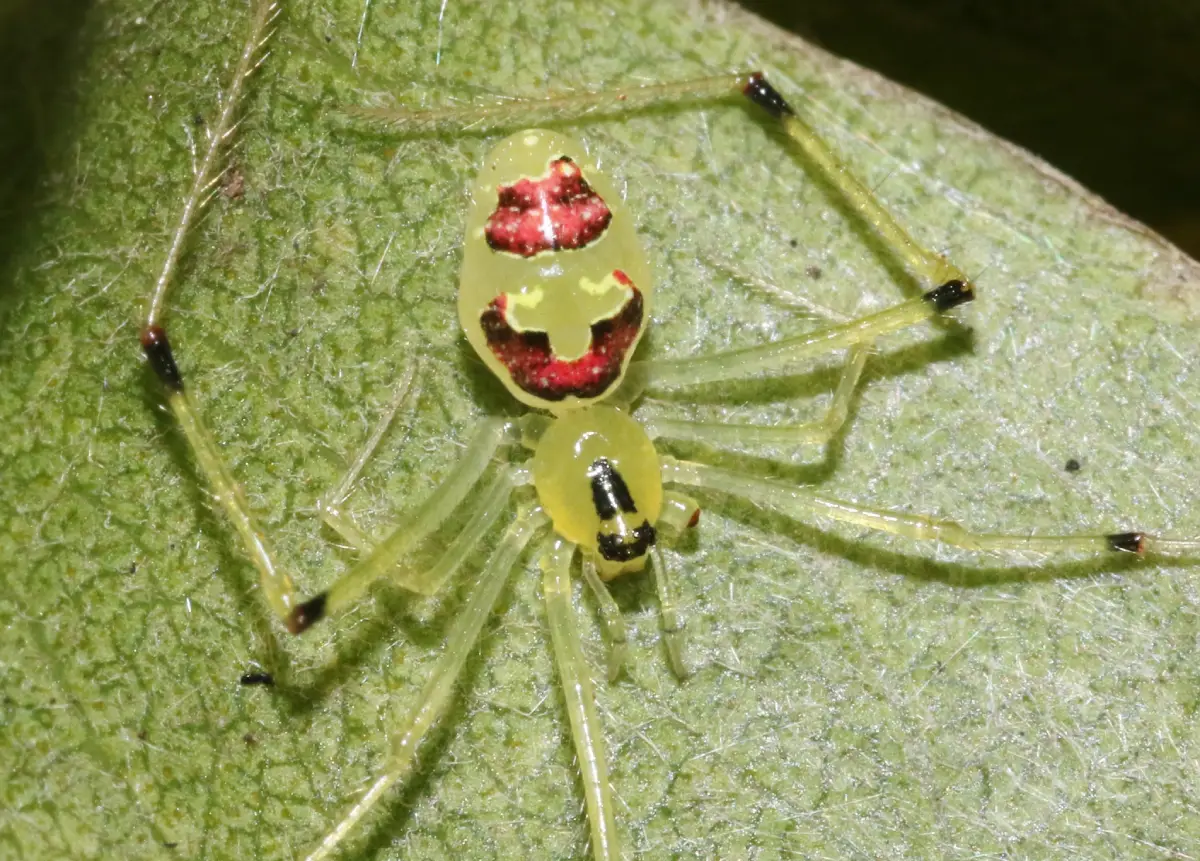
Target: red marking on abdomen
529,356
558,212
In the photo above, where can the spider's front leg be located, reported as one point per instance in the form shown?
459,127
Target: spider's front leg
277,586
580,694
855,336
384,559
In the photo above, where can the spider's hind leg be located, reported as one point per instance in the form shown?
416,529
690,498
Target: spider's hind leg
933,269
436,694
580,695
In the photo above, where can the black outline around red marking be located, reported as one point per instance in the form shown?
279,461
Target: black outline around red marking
529,356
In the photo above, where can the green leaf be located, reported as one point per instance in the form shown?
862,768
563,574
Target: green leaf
853,695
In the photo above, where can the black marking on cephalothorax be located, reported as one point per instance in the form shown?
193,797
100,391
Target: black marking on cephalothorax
610,494
615,548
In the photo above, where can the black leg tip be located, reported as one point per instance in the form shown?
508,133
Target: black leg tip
307,614
950,295
1127,542
759,91
158,350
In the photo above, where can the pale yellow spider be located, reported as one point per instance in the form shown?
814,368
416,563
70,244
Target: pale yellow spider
554,296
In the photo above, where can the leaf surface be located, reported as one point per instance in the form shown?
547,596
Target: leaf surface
853,695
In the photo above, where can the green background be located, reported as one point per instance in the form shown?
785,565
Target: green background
853,695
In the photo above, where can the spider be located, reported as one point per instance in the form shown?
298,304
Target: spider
554,297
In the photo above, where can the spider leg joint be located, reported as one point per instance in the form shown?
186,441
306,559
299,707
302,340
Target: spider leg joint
759,91
1127,542
950,295
306,615
158,350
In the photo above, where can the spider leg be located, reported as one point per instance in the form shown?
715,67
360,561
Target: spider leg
797,502
485,510
581,701
276,585
436,694
782,354
933,269
678,514
610,617
329,505
384,558
817,432
672,624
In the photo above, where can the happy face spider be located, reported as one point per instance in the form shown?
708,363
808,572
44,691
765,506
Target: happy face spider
554,296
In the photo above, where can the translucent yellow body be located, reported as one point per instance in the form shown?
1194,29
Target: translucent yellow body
564,293
559,292
563,473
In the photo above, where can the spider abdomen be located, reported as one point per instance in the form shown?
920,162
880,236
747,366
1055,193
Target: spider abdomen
597,476
555,290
